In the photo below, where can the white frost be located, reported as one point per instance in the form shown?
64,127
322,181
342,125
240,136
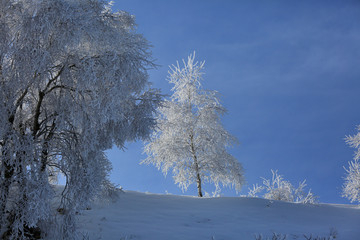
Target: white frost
189,139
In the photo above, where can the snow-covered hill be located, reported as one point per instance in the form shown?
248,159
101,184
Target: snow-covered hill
168,217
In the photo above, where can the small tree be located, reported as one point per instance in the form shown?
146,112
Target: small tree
351,188
190,139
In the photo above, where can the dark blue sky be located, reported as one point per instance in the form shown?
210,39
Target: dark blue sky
288,73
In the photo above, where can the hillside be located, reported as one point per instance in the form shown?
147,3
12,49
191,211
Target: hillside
161,217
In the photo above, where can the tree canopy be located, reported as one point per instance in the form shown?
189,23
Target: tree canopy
73,82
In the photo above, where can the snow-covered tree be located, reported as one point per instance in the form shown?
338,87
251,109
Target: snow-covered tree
277,188
189,138
351,188
73,82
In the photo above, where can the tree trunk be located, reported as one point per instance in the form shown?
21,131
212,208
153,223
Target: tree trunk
9,171
198,178
198,181
8,179
6,175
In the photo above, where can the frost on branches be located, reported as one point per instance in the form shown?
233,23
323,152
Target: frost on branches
277,188
73,82
351,188
189,139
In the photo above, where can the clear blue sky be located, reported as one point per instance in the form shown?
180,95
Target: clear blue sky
288,73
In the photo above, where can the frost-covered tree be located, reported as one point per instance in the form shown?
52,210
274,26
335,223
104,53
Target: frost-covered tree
189,138
351,188
73,82
277,188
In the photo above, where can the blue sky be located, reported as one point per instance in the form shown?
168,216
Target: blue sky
288,72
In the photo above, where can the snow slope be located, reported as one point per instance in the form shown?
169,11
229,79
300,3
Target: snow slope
162,217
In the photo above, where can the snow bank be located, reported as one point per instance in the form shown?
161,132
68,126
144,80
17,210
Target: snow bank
162,217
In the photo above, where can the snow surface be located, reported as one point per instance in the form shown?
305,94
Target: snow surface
154,216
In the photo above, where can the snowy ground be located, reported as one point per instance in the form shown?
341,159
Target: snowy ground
163,217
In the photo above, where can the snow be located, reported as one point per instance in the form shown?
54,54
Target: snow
154,216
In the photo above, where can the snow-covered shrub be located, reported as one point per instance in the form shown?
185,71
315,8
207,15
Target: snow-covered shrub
275,236
332,235
277,188
279,236
351,188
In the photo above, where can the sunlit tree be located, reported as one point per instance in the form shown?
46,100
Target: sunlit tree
189,139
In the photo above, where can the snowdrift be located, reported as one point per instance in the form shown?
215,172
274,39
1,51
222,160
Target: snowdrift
162,217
